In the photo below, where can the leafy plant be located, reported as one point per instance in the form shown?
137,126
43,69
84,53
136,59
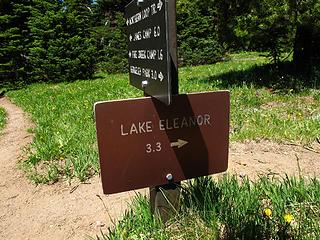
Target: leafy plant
231,208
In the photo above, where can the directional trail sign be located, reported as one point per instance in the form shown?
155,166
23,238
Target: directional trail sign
148,47
143,143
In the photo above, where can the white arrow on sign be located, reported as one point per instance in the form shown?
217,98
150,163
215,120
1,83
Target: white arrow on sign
127,22
130,37
179,144
160,76
160,5
129,54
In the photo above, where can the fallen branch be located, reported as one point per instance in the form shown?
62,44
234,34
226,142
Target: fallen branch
305,147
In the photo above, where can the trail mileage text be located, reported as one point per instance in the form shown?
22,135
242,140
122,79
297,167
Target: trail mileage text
153,148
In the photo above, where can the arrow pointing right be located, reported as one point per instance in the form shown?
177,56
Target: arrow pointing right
179,144
160,76
160,5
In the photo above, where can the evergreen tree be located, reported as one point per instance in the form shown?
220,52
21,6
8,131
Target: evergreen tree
109,8
110,35
14,40
61,48
197,33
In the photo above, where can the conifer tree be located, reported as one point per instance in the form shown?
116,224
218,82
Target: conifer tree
110,35
61,48
14,40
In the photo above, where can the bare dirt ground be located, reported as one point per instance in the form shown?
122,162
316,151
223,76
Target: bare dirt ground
76,211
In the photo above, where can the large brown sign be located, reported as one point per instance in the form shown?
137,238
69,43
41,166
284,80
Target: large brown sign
144,143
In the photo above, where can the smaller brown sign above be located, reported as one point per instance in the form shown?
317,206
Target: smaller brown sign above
144,143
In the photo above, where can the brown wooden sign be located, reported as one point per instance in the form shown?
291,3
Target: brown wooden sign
144,143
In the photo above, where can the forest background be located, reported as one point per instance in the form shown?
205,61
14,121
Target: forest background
68,40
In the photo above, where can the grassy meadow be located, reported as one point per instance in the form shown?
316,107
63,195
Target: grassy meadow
3,117
230,209
265,104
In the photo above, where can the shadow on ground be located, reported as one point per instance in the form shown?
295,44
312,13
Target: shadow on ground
283,77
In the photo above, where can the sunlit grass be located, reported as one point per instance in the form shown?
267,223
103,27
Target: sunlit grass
3,118
65,140
231,209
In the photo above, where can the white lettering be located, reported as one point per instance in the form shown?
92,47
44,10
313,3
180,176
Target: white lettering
135,70
156,31
146,72
133,129
137,36
137,128
147,33
200,120
135,18
142,54
122,132
146,13
141,127
167,125
161,125
192,121
149,126
160,55
134,54
207,119
185,122
175,123
151,54
153,9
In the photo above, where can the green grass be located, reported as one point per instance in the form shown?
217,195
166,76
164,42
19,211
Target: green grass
230,209
266,103
3,118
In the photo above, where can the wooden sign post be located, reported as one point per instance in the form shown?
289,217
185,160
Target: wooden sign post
153,68
165,199
160,140
152,44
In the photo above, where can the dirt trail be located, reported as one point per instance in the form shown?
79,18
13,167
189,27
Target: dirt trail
63,211
267,158
59,211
